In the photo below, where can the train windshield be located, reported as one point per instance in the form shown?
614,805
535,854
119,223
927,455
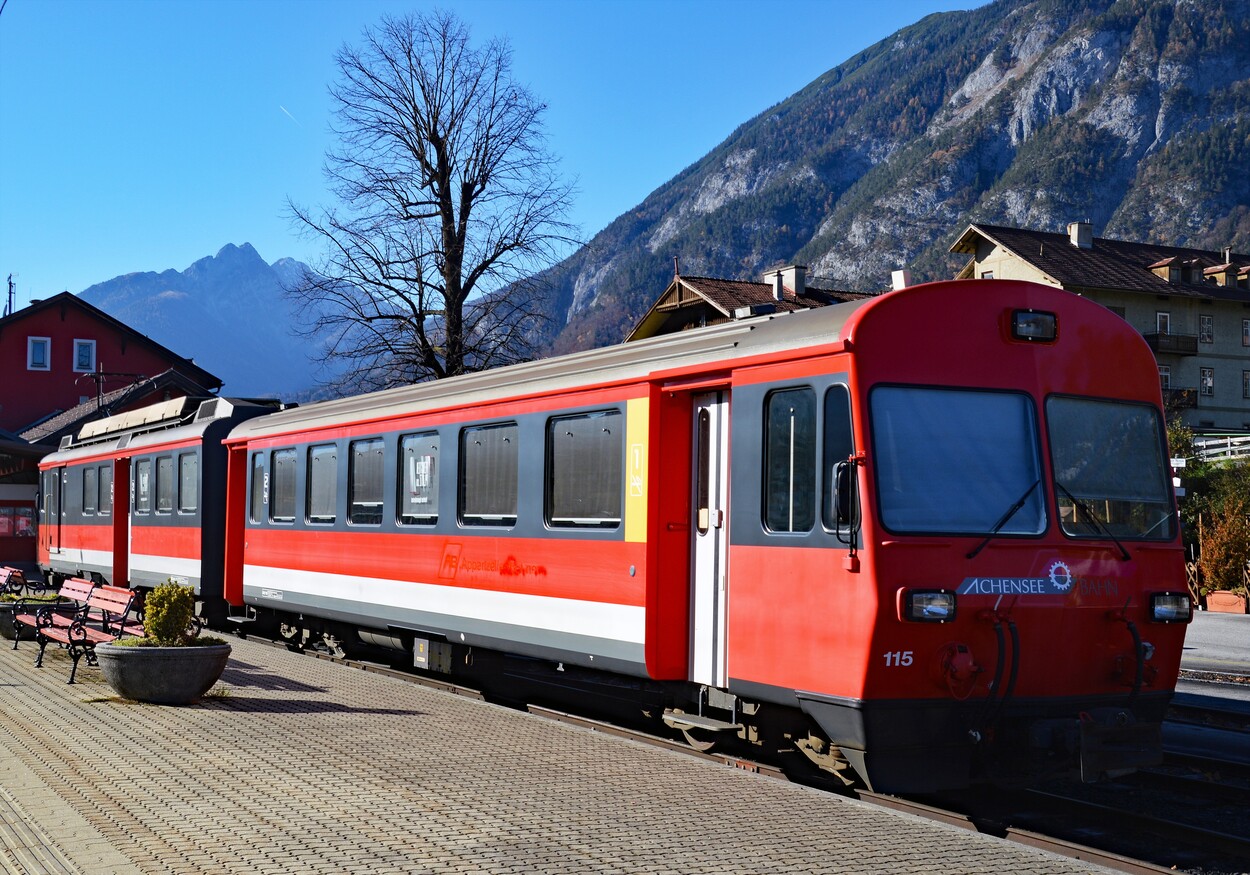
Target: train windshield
957,461
1111,469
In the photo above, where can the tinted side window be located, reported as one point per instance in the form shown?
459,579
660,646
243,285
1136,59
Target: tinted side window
584,470
364,479
105,504
188,482
165,484
323,481
90,490
488,475
258,487
838,446
282,496
790,460
143,486
418,479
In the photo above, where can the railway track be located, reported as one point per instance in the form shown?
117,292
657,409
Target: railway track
1109,829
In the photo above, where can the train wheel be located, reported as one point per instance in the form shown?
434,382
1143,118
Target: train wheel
294,636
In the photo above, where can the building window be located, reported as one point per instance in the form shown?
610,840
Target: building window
418,479
1245,384
84,356
364,482
1165,377
188,483
1245,332
1163,322
323,481
1206,383
143,486
790,460
282,499
38,353
1119,311
987,274
488,475
1206,329
585,470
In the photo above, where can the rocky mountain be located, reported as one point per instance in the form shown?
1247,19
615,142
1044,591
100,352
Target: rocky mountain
225,311
1134,114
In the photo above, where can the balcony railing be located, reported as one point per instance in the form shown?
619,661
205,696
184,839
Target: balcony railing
1180,399
1173,344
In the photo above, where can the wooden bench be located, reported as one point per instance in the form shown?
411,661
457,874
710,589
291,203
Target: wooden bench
107,607
72,598
12,581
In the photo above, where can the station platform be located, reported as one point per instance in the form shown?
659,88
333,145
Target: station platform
304,765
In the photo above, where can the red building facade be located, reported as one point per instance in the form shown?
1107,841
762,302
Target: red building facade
62,351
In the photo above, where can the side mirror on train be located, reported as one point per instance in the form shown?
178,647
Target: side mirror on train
845,500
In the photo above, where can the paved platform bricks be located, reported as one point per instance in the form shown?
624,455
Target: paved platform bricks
296,764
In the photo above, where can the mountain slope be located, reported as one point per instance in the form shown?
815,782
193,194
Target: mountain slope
225,311
1134,114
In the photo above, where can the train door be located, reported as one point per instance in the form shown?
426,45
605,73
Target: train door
709,528
50,512
120,503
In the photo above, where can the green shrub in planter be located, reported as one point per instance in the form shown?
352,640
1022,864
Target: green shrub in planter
168,612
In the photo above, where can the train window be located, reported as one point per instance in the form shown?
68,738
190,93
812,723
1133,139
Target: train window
323,482
366,465
143,486
165,484
488,475
957,461
790,460
282,499
584,470
259,492
1112,475
90,490
418,479
188,482
838,447
104,506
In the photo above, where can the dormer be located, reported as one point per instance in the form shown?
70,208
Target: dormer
1222,275
1167,269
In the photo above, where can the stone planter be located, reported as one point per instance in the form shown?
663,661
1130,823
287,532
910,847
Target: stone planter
162,675
6,624
1226,601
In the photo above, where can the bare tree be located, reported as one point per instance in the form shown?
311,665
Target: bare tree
449,203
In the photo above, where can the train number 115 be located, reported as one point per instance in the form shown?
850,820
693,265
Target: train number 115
896,658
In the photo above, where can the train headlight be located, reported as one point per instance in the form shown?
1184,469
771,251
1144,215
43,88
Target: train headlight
1171,607
1034,325
927,605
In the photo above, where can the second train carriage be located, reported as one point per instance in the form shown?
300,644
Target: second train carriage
929,536
137,498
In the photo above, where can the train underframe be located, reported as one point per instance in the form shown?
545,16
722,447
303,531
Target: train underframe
904,746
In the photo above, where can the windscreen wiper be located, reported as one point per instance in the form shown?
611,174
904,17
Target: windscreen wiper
1093,519
1002,520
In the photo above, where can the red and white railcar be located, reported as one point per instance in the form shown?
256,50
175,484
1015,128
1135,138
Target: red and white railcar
929,536
138,498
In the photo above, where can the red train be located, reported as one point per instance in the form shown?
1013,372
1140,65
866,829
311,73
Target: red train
925,539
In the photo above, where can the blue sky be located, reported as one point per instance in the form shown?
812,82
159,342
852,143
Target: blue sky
142,135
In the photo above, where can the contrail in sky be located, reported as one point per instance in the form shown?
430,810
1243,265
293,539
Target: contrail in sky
288,115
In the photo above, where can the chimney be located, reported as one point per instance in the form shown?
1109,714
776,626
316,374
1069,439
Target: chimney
1228,254
1081,234
900,279
795,277
776,279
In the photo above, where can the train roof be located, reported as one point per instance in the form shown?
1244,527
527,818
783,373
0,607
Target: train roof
623,362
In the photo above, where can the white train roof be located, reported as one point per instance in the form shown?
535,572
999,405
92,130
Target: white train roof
619,363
